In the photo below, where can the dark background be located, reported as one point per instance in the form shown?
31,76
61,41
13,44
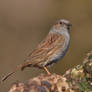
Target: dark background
24,23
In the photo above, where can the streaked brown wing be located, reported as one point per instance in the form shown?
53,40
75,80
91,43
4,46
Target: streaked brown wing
46,48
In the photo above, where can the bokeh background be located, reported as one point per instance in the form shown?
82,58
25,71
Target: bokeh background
24,23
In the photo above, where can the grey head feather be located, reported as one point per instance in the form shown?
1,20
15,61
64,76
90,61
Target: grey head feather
60,26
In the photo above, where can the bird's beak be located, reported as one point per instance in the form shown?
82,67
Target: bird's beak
69,24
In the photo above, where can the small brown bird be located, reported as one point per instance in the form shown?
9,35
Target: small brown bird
50,50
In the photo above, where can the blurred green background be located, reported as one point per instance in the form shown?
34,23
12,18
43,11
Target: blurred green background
24,23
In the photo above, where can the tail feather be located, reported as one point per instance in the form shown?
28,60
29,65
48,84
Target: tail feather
9,74
20,67
5,77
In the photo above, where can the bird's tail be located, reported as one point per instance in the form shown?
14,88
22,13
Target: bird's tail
20,67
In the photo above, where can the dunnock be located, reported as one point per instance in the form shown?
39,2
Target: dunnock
50,50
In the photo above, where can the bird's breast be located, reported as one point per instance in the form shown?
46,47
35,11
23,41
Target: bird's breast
59,51
65,46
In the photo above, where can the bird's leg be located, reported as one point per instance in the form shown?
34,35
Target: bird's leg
46,70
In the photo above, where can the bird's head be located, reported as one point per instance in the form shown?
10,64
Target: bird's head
61,24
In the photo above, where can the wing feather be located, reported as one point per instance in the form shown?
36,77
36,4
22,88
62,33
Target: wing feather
46,49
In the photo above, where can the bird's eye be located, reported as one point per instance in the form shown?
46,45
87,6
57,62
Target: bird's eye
60,22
